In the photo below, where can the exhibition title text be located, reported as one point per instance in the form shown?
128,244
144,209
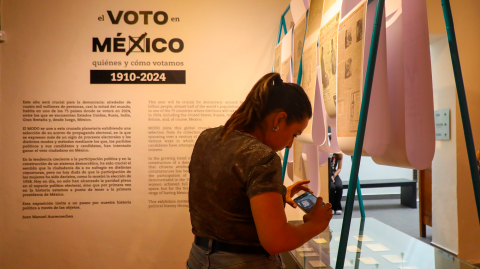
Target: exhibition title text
142,42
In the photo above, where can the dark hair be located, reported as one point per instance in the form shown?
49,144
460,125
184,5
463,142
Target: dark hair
268,95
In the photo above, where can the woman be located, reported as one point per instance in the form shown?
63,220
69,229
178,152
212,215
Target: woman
336,186
236,194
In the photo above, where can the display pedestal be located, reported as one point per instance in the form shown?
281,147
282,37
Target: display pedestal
372,244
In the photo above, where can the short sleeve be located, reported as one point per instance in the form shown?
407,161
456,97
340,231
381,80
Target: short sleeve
266,176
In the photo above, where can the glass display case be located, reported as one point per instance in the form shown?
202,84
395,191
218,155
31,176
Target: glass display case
373,245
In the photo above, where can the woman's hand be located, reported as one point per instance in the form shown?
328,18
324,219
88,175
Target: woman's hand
320,214
294,189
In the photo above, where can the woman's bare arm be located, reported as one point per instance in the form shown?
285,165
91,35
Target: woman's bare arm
275,234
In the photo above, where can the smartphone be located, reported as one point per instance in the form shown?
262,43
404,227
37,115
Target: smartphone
306,201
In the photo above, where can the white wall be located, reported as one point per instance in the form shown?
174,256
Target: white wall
48,56
371,170
444,168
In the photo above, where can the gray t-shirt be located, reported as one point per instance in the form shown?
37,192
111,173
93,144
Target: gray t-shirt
224,175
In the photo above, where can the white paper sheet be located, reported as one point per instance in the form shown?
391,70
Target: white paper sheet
332,145
353,249
377,247
394,258
328,64
285,72
287,45
368,260
277,61
314,133
317,264
377,134
311,167
305,165
299,166
331,9
363,238
309,82
286,56
314,18
298,41
297,8
327,4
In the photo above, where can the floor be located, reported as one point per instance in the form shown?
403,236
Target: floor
392,213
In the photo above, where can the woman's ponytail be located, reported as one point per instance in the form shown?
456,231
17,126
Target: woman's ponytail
268,95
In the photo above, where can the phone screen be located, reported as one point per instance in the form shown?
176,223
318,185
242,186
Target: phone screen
306,201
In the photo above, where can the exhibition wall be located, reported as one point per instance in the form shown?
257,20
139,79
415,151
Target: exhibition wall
96,175
457,209
445,233
94,163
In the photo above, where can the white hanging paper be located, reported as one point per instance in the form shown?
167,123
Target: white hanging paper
286,68
355,30
410,87
298,9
